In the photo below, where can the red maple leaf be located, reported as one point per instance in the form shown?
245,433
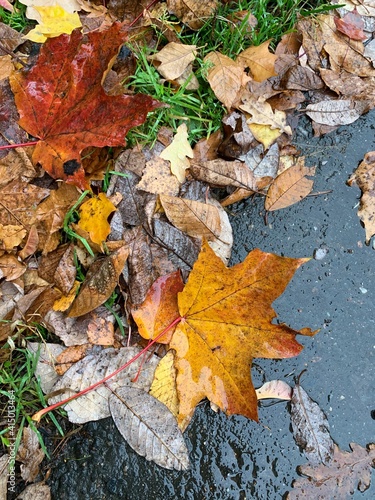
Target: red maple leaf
61,101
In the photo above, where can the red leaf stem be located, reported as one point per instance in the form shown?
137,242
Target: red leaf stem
21,145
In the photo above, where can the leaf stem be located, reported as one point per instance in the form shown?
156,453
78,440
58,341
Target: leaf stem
40,413
21,145
142,13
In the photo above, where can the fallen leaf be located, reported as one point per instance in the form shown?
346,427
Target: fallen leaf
11,236
364,178
260,61
6,66
92,368
31,244
45,367
277,389
174,58
290,187
75,112
262,114
163,386
54,21
100,331
69,356
265,134
224,173
58,268
333,112
263,166
194,13
226,322
65,301
300,78
10,267
351,25
226,78
36,491
30,455
178,153
101,280
6,5
149,428
346,473
158,179
93,215
199,220
159,309
310,428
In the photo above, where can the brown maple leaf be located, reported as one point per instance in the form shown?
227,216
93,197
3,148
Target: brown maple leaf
61,101
226,321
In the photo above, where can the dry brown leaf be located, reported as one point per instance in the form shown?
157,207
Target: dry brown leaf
206,149
11,236
36,491
290,186
300,78
30,455
16,165
6,66
364,178
31,244
101,280
226,78
58,268
158,179
178,152
100,331
45,368
65,301
262,114
196,219
349,86
346,473
69,356
333,113
224,173
260,61
194,13
174,58
10,267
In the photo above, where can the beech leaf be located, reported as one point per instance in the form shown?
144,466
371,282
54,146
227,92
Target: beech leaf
310,428
61,101
94,367
346,473
149,428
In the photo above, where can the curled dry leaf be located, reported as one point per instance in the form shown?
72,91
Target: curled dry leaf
277,389
178,153
338,480
364,178
199,220
149,428
262,114
174,58
290,186
30,455
94,367
101,280
310,428
194,13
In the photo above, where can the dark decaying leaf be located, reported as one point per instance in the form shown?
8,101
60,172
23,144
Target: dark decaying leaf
100,282
346,473
149,428
58,268
94,367
310,428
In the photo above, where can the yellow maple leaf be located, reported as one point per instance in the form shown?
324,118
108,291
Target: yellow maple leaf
178,153
93,217
54,21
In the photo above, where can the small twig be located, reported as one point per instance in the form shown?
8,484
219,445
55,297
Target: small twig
12,55
318,193
141,14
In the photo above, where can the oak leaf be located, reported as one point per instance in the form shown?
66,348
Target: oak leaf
226,321
178,153
260,61
61,101
174,58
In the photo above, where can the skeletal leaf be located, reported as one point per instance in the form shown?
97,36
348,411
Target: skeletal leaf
149,428
94,367
290,186
310,428
101,280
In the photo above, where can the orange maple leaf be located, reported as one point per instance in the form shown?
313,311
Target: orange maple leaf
226,321
61,101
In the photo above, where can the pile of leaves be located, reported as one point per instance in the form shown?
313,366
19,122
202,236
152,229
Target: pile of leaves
116,250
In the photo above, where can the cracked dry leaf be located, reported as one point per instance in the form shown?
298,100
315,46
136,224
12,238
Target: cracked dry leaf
94,367
290,187
93,217
194,13
260,61
174,58
364,178
149,428
340,479
178,152
196,219
226,77
101,279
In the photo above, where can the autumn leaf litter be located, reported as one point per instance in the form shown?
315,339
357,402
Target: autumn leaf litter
162,217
